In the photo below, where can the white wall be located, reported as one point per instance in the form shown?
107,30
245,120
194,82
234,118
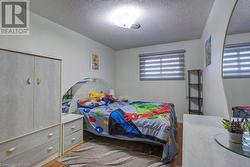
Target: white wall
128,84
237,89
237,92
214,96
238,38
50,39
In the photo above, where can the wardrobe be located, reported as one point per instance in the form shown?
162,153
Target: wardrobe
30,108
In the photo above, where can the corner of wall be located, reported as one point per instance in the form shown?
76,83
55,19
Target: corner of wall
215,102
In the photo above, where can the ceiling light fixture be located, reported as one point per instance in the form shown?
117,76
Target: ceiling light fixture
125,17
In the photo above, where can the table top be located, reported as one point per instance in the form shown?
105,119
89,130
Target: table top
236,147
70,117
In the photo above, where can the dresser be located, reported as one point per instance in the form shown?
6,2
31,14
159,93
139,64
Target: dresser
200,147
72,125
30,108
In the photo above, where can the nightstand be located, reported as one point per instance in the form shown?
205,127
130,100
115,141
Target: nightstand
72,131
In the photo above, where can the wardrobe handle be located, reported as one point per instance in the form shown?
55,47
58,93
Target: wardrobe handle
73,139
50,134
50,148
28,81
73,127
38,81
12,149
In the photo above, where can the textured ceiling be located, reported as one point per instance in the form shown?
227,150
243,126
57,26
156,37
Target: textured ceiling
240,21
163,21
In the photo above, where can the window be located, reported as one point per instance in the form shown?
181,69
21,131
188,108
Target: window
236,61
162,66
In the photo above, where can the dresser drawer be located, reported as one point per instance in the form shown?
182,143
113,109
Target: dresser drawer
72,127
19,145
73,139
35,155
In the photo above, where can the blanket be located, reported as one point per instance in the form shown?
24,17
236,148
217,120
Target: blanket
137,119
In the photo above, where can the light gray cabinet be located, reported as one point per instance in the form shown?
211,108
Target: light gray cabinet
30,110
47,94
16,94
31,157
30,93
17,146
72,131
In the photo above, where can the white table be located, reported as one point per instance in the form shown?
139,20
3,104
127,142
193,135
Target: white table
200,148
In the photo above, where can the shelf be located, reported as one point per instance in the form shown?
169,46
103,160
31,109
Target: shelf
198,112
194,70
192,86
196,98
195,84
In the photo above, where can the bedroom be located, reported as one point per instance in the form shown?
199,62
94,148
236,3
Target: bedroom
111,47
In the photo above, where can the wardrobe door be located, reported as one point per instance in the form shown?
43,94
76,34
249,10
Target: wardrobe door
16,94
47,92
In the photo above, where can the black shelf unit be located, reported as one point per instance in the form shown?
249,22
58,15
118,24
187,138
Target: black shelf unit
198,86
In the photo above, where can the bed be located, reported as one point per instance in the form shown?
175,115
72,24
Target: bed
151,122
241,111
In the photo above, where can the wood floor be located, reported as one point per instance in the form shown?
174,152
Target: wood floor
177,162
142,147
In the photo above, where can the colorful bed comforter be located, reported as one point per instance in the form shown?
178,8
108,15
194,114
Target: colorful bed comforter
241,111
144,120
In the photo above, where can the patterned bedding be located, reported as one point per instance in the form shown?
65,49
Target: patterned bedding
147,121
241,111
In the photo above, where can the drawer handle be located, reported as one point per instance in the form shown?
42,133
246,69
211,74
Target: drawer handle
73,127
50,134
50,148
73,139
11,149
38,81
28,81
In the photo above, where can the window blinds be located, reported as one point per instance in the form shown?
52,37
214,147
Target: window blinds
236,61
162,66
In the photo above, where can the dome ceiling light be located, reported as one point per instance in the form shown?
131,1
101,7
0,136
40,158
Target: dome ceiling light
125,17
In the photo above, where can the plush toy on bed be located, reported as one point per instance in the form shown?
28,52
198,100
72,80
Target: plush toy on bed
96,99
96,95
